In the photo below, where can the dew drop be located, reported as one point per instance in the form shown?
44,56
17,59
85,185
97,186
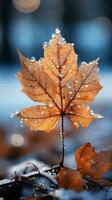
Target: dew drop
82,74
86,86
33,59
53,35
99,116
63,66
21,123
78,106
45,44
78,95
57,30
44,107
50,41
57,66
50,105
83,63
68,85
12,115
92,113
76,81
52,65
70,92
60,75
88,107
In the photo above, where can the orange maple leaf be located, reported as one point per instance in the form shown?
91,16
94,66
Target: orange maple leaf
91,163
57,81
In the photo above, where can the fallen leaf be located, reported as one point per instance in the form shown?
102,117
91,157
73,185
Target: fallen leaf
70,179
91,163
56,81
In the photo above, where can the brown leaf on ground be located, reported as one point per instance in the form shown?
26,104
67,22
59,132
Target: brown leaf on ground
91,163
70,179
56,81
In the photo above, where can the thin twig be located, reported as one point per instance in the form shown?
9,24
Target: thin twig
19,178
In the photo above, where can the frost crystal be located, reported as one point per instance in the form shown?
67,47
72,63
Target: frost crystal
45,44
99,116
33,59
83,63
57,30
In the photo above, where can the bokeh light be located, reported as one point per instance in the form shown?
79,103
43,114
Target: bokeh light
92,35
17,140
26,6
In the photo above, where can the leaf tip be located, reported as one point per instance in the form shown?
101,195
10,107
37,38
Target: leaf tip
21,56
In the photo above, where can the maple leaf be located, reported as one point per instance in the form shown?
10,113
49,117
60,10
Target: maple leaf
91,163
56,81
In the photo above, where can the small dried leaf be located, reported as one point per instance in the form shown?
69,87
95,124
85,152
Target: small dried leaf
70,179
91,163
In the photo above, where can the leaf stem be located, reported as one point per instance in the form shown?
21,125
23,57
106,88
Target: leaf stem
62,141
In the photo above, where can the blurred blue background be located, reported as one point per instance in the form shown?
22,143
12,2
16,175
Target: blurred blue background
27,25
